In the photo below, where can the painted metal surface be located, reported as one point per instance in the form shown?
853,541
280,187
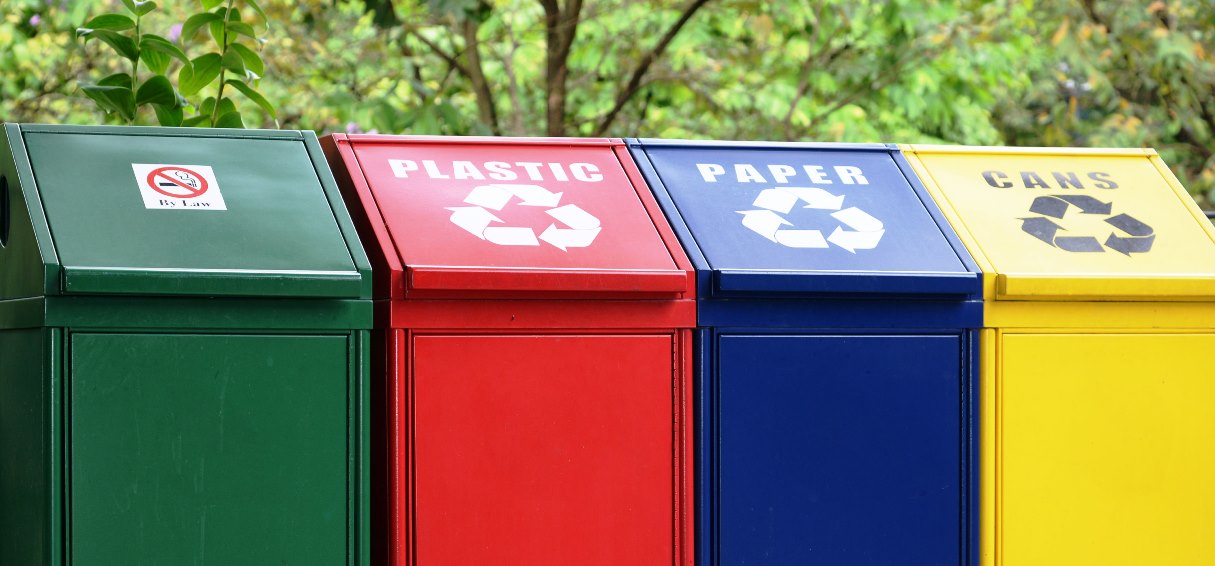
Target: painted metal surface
506,217
586,453
278,233
538,377
224,448
1075,224
1123,475
808,471
789,219
162,405
1093,360
836,401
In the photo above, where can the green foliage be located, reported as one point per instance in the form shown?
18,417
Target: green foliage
123,94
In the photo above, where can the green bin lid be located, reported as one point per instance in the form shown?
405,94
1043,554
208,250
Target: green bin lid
167,211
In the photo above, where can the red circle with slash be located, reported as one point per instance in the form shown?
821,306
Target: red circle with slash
163,179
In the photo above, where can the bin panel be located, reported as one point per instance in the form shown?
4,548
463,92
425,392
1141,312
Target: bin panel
802,218
260,224
515,216
1104,450
839,450
233,448
25,468
544,449
1075,224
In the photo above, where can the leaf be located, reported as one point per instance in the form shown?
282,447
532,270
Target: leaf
254,96
202,70
112,99
253,61
217,32
209,4
242,29
117,79
169,116
197,121
260,13
112,22
193,23
124,45
156,61
157,43
139,8
156,90
207,107
225,106
143,8
230,120
233,62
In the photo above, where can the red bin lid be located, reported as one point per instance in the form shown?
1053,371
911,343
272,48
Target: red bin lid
509,217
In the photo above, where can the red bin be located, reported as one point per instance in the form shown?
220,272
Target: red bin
534,320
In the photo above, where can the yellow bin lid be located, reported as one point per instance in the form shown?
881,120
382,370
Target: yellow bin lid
1073,224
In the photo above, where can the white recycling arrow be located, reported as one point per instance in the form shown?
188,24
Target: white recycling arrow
866,231
474,219
815,197
488,196
574,217
511,236
801,238
783,199
763,222
864,234
564,239
581,226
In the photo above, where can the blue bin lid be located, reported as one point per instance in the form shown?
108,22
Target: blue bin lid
763,218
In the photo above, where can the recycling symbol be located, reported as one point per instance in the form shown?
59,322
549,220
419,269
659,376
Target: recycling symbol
857,230
1130,235
579,227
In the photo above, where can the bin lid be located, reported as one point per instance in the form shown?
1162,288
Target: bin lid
780,218
1073,224
504,217
176,211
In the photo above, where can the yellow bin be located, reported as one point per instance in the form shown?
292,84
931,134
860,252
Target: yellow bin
1098,353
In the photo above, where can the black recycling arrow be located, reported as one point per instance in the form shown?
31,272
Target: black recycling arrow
1139,238
1130,246
1041,228
1130,225
1087,204
1056,206
1079,244
1049,206
1141,235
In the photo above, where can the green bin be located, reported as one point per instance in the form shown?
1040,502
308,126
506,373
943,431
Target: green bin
184,349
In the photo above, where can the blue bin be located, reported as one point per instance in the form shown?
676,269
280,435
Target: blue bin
837,347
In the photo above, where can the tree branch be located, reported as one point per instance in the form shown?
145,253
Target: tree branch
560,28
644,65
476,75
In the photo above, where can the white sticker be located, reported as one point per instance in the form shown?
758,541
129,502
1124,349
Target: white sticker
181,187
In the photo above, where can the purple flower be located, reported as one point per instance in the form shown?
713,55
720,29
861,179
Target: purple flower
35,20
352,128
174,32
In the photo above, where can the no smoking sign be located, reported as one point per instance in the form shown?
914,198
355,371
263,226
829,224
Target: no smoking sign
183,187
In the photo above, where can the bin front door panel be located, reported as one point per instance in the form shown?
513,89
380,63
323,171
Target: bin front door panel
215,449
839,450
544,449
1106,449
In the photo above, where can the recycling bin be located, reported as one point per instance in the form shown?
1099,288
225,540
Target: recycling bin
1099,282
837,337
534,322
185,320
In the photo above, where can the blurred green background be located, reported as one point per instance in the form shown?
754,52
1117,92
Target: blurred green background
1091,73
